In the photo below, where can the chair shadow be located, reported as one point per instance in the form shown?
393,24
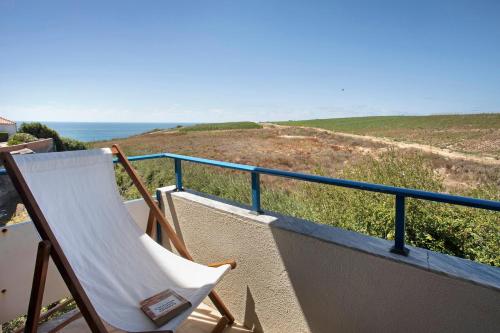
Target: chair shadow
175,220
251,319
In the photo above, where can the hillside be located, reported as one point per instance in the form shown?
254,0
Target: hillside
473,134
220,126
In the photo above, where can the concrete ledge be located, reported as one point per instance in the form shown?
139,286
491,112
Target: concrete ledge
297,276
39,146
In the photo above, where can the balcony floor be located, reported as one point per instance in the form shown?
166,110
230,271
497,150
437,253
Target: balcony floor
202,320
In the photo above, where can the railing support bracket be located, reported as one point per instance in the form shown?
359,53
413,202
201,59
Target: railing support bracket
178,174
256,209
399,222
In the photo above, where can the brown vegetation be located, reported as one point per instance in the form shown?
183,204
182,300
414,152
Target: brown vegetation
299,149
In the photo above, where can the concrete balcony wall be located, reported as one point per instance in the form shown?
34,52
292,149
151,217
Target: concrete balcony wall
294,275
39,146
297,276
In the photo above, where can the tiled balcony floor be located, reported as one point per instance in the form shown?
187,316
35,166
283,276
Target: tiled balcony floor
202,320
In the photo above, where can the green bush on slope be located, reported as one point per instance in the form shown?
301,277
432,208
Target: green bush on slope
44,132
19,138
72,144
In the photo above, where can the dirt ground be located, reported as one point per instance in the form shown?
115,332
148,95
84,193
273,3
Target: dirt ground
469,134
448,151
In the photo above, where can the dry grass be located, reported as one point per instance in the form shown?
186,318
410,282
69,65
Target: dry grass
297,149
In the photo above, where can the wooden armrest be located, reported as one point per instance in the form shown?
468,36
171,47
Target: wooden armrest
225,262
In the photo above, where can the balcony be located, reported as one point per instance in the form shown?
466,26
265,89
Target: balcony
294,275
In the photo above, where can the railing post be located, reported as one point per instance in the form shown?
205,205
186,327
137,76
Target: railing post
178,174
399,237
256,193
159,238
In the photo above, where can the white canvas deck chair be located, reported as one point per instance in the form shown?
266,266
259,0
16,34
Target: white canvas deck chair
108,263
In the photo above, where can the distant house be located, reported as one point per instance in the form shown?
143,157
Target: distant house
8,126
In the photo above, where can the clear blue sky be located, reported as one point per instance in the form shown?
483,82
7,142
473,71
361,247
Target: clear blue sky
199,61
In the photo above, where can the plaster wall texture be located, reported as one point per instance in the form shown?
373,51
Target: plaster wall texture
297,276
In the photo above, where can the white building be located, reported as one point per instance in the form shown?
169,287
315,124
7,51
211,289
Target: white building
8,126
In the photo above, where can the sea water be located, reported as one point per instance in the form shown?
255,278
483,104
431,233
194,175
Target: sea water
105,131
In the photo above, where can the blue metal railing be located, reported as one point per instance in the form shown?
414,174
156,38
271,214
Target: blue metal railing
400,193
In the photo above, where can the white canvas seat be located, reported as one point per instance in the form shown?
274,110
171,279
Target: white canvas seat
117,263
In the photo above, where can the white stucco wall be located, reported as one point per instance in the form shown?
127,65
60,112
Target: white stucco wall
298,276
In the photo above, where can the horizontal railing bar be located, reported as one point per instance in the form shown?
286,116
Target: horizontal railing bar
417,194
386,189
227,165
412,193
142,157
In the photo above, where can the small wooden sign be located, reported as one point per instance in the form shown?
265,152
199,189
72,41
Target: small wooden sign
164,306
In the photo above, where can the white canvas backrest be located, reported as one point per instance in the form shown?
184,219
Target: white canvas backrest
117,264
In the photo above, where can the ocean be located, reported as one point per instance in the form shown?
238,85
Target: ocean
104,131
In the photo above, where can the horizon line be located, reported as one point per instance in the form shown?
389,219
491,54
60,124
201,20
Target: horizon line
255,121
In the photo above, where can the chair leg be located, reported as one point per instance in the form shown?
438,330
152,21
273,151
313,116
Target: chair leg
151,223
76,315
48,313
221,325
38,286
221,307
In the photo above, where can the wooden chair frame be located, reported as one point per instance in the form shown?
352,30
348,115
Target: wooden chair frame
49,247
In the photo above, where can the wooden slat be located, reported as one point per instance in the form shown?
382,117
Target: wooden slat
48,313
56,308
38,286
77,314
221,307
221,325
151,223
230,262
178,244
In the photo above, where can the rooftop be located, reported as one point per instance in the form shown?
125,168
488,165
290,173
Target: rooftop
4,121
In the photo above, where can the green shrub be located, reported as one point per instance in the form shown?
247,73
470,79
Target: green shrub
459,231
43,132
72,144
19,138
4,136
